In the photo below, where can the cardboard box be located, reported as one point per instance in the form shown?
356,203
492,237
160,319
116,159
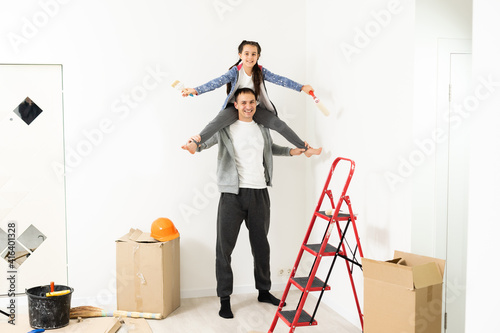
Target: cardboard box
147,274
403,295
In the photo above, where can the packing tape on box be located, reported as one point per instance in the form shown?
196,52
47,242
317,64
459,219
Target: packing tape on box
141,278
138,280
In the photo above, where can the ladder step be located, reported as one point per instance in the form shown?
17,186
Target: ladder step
304,319
330,250
341,217
317,285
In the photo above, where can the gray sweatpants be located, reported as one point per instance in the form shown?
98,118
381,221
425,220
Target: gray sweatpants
262,116
253,207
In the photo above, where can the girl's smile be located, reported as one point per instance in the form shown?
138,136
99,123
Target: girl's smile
249,57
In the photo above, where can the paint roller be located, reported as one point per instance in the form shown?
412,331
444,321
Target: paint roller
319,104
56,293
179,86
92,311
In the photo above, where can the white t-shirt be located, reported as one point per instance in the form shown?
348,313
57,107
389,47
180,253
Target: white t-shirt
248,145
244,81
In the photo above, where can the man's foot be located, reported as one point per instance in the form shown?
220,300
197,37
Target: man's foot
225,309
312,151
190,146
266,297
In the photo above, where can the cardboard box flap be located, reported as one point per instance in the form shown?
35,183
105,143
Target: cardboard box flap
146,238
395,261
426,275
388,272
136,235
414,260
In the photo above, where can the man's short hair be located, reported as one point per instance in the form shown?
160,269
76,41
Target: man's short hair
243,91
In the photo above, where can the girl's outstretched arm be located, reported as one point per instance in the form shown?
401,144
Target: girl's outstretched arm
280,80
228,77
285,82
225,78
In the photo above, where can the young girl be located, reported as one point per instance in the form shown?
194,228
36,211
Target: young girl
247,73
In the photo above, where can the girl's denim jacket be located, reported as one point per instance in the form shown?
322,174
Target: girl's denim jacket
231,76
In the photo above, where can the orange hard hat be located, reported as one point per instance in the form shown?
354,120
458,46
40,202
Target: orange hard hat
163,230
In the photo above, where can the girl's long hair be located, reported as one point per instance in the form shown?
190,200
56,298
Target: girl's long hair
256,71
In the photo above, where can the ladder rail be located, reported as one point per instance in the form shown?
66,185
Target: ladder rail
354,227
360,313
330,196
349,176
342,234
353,286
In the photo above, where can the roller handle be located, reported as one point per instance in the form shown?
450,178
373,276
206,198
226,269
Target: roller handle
57,293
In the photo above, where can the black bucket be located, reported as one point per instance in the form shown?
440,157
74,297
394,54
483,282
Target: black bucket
48,312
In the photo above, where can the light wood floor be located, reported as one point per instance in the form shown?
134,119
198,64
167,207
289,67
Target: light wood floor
200,315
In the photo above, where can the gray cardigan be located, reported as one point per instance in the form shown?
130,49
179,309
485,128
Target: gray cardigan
227,173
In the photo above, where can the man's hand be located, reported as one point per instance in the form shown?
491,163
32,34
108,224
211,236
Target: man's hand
296,151
192,145
196,138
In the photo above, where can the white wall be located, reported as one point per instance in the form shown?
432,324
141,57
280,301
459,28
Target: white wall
438,25
360,58
124,124
484,195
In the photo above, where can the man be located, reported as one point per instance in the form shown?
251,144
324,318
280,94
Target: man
244,170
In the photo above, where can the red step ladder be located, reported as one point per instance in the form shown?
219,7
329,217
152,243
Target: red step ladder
336,220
